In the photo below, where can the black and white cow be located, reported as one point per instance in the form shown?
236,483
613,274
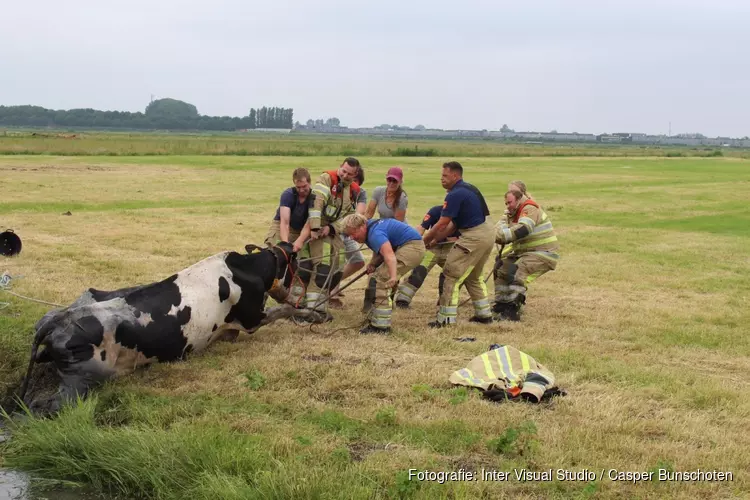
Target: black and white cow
108,334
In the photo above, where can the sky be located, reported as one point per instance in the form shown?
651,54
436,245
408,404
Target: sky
572,66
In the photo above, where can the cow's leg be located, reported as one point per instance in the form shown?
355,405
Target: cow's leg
229,336
287,311
277,293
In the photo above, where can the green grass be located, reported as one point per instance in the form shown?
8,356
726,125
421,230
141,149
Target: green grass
116,144
643,323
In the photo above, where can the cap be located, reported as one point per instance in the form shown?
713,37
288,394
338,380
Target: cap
395,173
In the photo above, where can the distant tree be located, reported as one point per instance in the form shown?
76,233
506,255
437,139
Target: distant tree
333,122
506,129
171,109
310,123
419,127
253,118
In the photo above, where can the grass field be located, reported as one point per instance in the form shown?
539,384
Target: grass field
98,143
644,323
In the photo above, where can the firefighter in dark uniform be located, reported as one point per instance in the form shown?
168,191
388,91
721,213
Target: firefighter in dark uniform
437,256
465,210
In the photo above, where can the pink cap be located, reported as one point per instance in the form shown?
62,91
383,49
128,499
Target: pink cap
395,173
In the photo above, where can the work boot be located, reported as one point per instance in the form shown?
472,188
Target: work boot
506,311
477,319
402,304
438,324
374,329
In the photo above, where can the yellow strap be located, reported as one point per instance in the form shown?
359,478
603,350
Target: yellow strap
488,366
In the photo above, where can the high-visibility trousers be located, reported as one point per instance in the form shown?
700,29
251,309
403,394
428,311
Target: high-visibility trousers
413,282
408,256
326,258
514,273
465,266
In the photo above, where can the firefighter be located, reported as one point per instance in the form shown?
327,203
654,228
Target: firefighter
534,253
353,258
396,245
335,196
414,281
465,210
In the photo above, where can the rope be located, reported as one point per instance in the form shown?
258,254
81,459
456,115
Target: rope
361,324
338,254
5,281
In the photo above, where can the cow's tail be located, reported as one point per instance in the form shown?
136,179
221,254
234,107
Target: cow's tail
41,334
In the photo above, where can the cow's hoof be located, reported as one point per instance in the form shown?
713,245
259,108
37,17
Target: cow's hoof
311,317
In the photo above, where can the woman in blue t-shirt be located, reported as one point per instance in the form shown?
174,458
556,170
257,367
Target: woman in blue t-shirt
396,245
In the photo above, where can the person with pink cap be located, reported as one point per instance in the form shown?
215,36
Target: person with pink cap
390,201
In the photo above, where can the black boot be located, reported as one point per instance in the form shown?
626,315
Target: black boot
506,311
477,319
438,324
374,329
514,312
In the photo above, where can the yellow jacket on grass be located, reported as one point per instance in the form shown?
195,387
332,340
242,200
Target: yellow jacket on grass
509,370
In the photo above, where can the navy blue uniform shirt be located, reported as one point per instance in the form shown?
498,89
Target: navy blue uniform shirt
463,206
298,215
431,218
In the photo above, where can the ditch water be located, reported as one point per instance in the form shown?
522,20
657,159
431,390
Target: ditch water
16,485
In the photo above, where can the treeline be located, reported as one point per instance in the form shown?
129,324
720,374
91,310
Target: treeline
155,118
272,117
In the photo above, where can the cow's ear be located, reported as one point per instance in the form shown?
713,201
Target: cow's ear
250,248
287,247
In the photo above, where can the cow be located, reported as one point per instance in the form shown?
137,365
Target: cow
107,334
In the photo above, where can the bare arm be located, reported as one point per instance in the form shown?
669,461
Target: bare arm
304,235
399,215
440,230
371,206
362,208
284,215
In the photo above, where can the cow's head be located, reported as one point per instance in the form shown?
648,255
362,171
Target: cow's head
286,261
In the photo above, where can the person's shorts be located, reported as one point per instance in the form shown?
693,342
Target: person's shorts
353,253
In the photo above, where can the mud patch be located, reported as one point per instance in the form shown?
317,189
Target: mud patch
360,450
42,385
325,358
473,463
